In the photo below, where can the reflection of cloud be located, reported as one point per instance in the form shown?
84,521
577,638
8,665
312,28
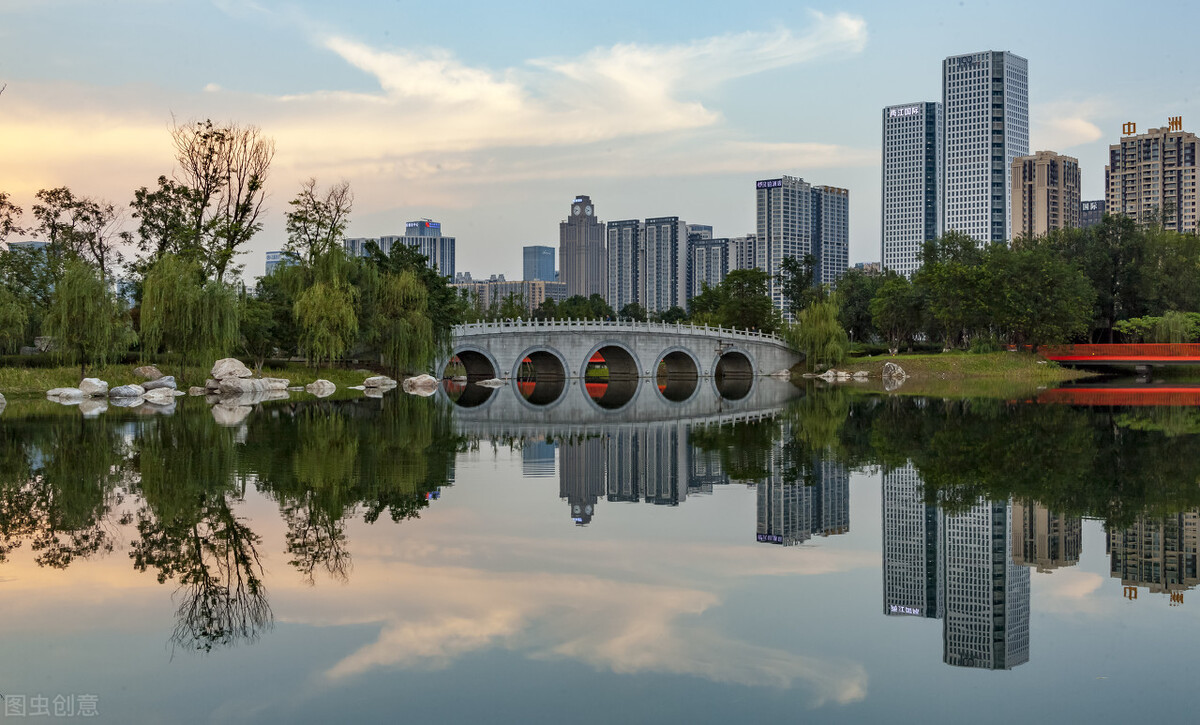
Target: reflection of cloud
1069,591
621,626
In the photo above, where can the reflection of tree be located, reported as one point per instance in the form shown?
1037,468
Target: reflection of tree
189,533
316,538
60,479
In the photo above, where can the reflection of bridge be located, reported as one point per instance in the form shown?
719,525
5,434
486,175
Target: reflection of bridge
1139,355
561,350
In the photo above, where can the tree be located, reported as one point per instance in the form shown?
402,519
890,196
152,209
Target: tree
578,307
1038,298
856,289
672,314
164,223
446,307
59,214
185,314
13,320
513,307
10,214
225,170
99,231
817,334
317,222
407,341
745,302
797,281
633,311
86,320
327,321
896,311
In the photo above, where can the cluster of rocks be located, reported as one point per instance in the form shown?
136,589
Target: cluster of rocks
94,396
839,376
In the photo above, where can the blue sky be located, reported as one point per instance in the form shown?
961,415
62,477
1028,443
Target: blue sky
491,117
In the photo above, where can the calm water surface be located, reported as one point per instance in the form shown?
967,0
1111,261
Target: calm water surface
788,555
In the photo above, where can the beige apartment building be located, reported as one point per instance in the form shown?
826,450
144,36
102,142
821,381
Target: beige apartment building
1045,194
1153,175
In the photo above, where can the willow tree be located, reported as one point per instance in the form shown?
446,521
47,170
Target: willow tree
327,319
818,334
185,315
13,319
86,320
406,331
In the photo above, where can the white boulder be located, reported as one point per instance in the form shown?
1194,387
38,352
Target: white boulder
127,391
65,395
94,387
383,381
491,383
229,367
159,396
148,372
423,385
196,390
321,388
166,381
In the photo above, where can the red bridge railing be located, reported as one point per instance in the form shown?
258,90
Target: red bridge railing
1163,350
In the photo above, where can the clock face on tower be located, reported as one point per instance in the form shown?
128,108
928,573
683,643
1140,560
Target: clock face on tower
587,210
576,210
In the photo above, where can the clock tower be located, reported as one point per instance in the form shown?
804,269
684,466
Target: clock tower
583,258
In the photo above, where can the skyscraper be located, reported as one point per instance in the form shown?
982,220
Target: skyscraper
581,250
1045,194
424,235
831,233
664,273
795,219
708,265
539,263
912,183
1154,175
985,102
624,263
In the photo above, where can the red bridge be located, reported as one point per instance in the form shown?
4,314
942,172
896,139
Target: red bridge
1143,355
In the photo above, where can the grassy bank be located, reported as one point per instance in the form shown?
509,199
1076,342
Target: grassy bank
15,380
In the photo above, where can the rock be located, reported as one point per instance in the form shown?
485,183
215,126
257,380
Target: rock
295,388
211,384
125,402
373,392
321,388
93,408
166,381
230,415
127,391
197,391
894,371
152,408
148,372
491,383
357,387
276,383
423,385
28,351
383,381
159,396
229,367
860,374
43,343
94,387
781,374
64,395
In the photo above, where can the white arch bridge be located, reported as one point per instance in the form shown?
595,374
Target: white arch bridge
555,351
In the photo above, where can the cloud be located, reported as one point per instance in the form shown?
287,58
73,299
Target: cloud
1064,124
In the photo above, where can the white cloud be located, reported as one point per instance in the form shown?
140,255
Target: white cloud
1064,124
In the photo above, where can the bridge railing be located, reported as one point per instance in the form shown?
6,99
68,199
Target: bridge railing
622,325
1123,351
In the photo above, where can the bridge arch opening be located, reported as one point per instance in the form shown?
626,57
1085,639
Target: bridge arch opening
541,377
610,377
466,394
734,375
677,376
471,364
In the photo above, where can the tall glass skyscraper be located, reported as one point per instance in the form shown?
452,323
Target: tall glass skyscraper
538,263
912,183
985,101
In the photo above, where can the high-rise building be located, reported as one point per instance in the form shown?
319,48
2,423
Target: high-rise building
582,256
699,231
1090,213
912,183
424,235
785,227
1045,194
1043,539
985,103
831,233
539,263
275,260
493,292
912,575
743,252
986,613
708,265
1153,176
664,272
624,263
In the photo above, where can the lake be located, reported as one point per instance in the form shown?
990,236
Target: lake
763,553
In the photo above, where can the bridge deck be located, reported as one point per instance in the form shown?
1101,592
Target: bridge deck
503,326
1124,354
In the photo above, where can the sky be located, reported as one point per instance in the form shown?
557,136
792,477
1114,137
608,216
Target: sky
492,117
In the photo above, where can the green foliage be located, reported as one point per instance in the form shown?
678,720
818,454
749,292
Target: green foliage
855,290
743,302
672,314
327,321
13,321
818,335
445,306
1171,327
88,323
633,311
579,307
407,332
797,282
896,311
185,315
317,222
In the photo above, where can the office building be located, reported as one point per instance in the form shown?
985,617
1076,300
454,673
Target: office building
912,575
423,235
1045,194
664,272
1152,176
912,183
699,231
743,252
831,233
985,104
708,264
792,512
1090,213
986,612
795,219
490,294
539,263
624,263
1043,539
582,256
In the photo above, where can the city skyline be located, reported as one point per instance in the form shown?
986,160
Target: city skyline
482,134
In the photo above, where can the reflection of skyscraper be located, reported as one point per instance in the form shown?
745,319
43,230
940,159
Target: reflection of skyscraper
792,512
1043,539
581,476
1157,553
647,464
537,459
986,622
912,577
